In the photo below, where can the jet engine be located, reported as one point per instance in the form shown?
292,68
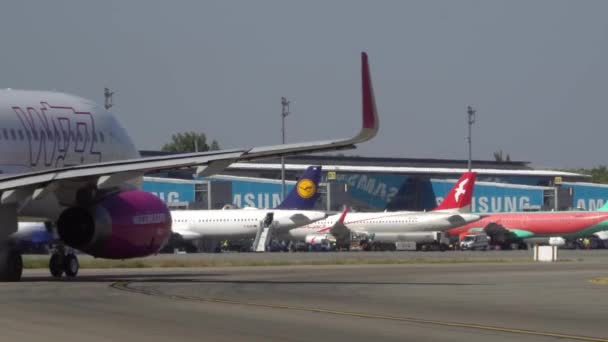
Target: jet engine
122,225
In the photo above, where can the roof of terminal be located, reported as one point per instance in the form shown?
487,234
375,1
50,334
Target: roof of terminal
398,165
409,170
399,162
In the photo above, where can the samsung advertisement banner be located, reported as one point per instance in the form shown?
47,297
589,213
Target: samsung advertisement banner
588,196
494,197
382,191
376,190
258,194
392,191
170,190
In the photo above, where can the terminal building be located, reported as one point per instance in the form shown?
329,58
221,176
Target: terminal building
372,184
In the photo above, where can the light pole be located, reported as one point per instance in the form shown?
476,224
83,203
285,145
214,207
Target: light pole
470,120
107,94
284,113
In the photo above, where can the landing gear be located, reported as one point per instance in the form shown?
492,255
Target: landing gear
63,261
71,265
11,264
56,265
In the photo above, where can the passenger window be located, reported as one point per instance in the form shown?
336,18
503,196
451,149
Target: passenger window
50,135
28,135
5,133
13,135
101,137
20,134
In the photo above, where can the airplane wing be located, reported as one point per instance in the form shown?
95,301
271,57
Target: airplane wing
301,219
457,220
99,176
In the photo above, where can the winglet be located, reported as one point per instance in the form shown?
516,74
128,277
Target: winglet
460,197
343,216
339,230
370,114
369,127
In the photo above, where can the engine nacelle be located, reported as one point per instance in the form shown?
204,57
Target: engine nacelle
315,239
123,225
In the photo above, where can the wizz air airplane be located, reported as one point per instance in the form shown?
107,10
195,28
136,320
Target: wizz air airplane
65,160
293,212
390,227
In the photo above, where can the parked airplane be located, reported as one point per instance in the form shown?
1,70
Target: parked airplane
231,224
197,224
506,229
33,236
64,160
390,227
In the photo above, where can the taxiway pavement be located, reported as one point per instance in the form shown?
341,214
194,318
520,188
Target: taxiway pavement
421,302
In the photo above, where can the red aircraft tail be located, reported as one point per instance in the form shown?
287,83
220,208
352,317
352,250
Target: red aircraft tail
459,198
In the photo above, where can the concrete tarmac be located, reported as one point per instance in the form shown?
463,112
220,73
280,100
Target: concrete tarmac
423,302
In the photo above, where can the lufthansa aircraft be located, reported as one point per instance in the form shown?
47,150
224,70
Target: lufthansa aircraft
293,212
64,160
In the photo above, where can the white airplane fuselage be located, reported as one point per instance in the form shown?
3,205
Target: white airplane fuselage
386,226
46,130
234,223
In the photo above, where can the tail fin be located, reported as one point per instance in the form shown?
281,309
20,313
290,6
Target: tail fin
459,198
305,193
604,207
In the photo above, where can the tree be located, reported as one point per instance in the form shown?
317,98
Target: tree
189,142
599,174
499,158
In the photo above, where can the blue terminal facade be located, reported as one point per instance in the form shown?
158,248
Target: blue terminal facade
587,196
171,190
396,192
386,184
393,192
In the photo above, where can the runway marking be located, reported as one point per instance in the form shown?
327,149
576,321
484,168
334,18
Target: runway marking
600,280
124,286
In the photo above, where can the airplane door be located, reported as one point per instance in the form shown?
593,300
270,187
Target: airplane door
268,219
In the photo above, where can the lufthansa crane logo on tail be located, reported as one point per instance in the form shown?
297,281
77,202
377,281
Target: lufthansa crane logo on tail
460,190
306,188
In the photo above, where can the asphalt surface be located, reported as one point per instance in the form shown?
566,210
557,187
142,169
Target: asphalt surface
504,301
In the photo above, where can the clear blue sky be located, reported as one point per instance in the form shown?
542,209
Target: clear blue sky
537,71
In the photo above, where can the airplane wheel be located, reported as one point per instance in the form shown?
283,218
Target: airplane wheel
11,265
56,265
71,265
